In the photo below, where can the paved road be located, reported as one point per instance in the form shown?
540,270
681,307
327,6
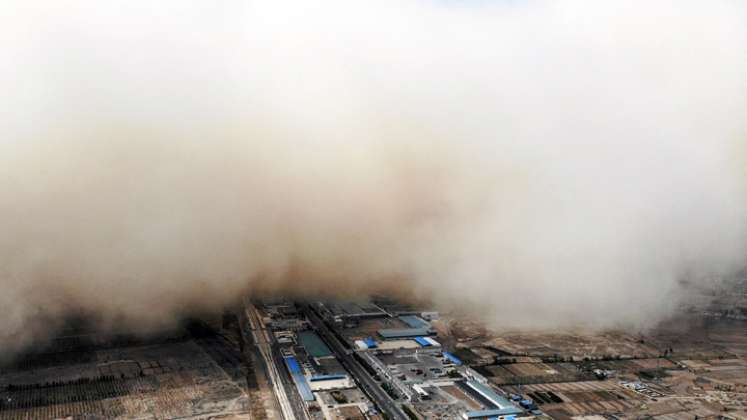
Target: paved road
365,381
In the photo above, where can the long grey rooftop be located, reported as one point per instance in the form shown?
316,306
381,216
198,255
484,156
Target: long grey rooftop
405,332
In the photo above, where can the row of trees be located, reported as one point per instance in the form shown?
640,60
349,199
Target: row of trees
78,381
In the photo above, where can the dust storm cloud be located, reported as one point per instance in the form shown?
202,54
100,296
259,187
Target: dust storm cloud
548,164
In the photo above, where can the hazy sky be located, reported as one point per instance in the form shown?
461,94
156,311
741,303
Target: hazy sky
547,163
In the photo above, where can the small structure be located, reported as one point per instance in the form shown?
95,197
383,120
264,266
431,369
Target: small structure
429,316
453,359
433,342
285,337
528,404
423,394
423,342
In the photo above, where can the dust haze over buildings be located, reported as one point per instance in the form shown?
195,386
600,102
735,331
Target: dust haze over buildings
549,164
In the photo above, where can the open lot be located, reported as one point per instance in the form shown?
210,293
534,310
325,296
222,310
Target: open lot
447,402
415,368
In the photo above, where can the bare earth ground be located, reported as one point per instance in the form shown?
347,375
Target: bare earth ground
689,366
142,382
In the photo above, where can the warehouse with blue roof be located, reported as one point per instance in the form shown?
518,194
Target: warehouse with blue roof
453,359
299,379
423,342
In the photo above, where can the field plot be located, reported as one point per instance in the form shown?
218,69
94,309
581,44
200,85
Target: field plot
155,381
730,337
565,400
698,338
530,369
632,366
658,363
498,374
721,371
578,346
532,373
696,364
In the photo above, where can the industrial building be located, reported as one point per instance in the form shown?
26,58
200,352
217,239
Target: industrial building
427,342
368,343
298,378
349,314
313,344
399,333
330,382
280,308
286,324
498,414
485,395
413,321
326,366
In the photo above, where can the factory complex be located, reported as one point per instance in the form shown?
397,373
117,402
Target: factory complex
403,367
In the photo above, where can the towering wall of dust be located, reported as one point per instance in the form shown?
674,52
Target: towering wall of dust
546,163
